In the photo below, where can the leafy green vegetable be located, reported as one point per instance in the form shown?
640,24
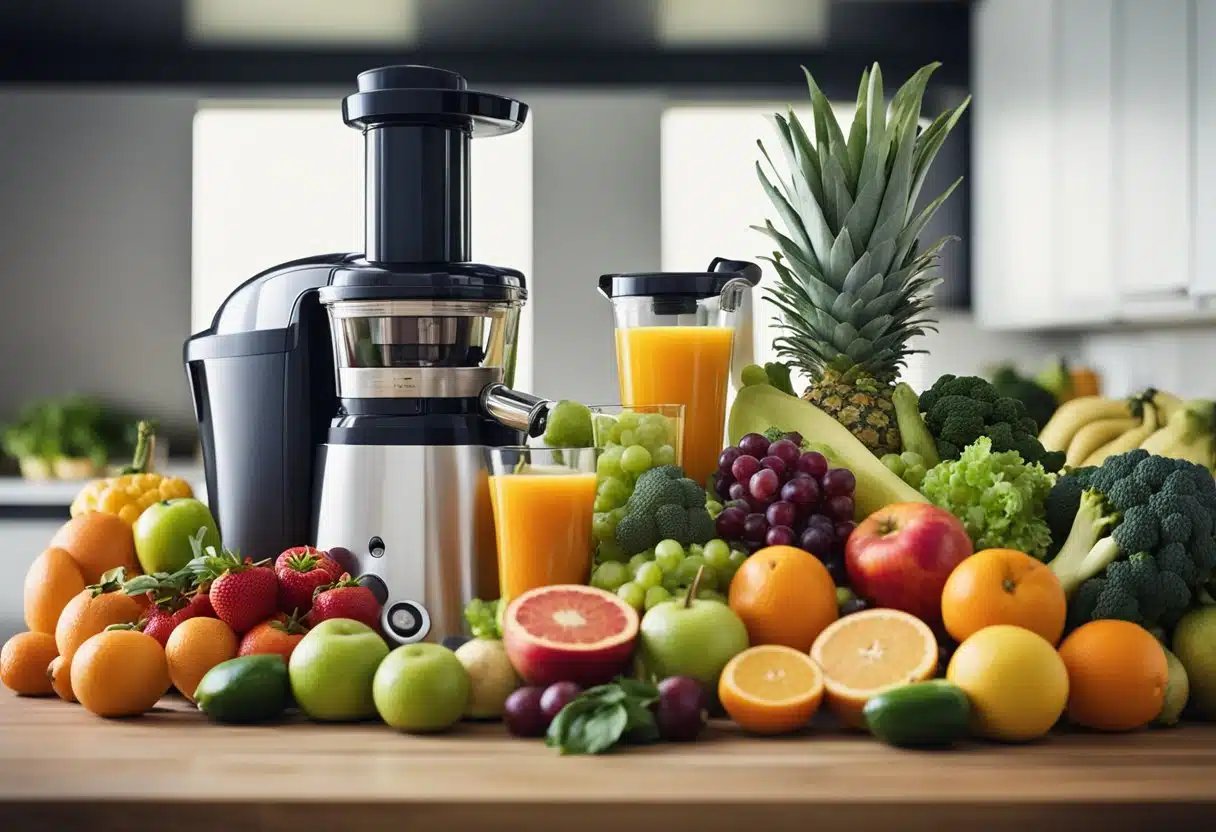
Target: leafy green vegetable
483,618
74,426
601,717
1000,498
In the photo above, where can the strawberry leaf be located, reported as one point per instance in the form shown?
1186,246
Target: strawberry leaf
111,581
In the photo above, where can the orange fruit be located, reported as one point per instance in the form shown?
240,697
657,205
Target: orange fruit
771,689
868,652
90,612
60,674
1003,586
52,580
1015,680
1117,674
98,543
278,635
194,647
23,663
119,673
784,596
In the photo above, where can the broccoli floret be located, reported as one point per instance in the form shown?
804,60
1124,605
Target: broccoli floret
1063,502
664,505
960,409
1140,545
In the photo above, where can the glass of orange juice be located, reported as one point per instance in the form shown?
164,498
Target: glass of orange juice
542,499
675,334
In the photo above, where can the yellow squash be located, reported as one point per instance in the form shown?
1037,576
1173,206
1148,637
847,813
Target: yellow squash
135,488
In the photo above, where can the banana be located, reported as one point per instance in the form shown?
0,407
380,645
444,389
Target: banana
1167,405
1188,435
1075,414
1126,441
1093,436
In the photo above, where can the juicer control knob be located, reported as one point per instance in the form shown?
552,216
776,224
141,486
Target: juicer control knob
375,547
376,585
406,622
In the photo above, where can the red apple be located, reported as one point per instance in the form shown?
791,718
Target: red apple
901,555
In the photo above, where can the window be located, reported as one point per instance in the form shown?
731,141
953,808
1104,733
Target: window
275,181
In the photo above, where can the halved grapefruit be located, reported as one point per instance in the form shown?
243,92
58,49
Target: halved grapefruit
569,633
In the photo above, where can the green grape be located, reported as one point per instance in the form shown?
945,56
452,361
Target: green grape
629,419
602,505
638,561
665,455
569,426
696,549
602,426
628,437
714,508
717,555
632,594
844,595
668,546
688,572
912,459
614,490
753,374
669,560
635,460
914,475
609,576
710,595
602,525
610,550
648,575
656,595
648,433
737,559
894,463
618,514
609,463
672,581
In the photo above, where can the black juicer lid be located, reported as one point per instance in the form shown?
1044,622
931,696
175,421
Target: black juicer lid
689,285
427,95
446,281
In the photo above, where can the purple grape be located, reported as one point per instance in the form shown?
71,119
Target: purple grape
755,527
822,521
774,464
557,696
818,542
722,484
843,530
682,709
737,491
840,509
801,491
795,437
780,536
741,504
839,482
781,513
727,458
754,444
764,484
786,451
523,715
744,467
752,546
813,463
755,506
729,523
836,568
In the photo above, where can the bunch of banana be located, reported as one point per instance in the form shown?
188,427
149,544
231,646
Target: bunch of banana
1091,428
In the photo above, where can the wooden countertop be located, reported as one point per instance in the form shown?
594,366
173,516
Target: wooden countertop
61,768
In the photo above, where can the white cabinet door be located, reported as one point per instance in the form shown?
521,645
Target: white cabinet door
1152,243
1084,136
1012,185
1204,276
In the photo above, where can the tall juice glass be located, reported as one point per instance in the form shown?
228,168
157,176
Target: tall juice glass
675,334
543,500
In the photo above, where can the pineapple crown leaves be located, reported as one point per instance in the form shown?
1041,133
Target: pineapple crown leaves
849,249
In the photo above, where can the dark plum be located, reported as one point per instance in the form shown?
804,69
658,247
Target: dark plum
786,451
780,536
839,509
729,523
744,467
754,444
781,513
727,458
682,710
755,527
557,696
801,491
839,482
775,464
813,463
764,484
522,713
818,541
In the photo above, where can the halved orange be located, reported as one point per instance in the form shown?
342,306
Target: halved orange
771,689
868,652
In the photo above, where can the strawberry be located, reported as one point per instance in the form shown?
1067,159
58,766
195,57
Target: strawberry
346,598
199,606
300,572
160,623
243,593
166,600
279,635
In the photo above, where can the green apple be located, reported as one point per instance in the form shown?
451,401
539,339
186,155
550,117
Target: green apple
332,669
491,677
421,688
691,637
163,532
1194,644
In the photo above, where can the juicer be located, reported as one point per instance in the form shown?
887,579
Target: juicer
346,400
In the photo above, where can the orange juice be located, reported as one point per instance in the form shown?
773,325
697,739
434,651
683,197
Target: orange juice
542,524
688,365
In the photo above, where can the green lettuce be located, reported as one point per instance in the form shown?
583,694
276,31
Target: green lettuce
1000,499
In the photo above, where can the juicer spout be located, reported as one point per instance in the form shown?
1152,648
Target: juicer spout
516,410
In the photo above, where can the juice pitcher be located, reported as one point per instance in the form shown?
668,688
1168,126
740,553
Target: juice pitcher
676,333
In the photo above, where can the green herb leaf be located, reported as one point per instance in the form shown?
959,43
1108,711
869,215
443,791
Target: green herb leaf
604,716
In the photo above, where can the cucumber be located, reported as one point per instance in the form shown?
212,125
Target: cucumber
245,689
934,713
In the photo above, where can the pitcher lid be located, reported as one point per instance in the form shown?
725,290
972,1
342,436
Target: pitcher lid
698,285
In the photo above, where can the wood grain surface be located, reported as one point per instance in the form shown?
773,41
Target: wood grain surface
64,769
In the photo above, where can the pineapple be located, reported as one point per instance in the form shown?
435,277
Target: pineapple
853,284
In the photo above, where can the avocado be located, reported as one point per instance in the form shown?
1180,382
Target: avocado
934,713
245,689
